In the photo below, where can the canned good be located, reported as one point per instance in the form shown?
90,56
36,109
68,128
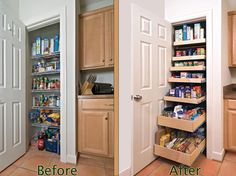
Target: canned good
178,53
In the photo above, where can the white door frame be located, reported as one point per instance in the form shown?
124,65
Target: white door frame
209,63
59,18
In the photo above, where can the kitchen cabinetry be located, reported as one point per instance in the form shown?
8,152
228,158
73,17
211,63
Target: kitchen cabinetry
96,36
232,38
229,124
95,126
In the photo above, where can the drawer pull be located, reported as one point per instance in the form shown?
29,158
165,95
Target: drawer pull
106,118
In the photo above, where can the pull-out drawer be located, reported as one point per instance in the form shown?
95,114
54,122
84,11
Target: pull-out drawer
180,157
103,104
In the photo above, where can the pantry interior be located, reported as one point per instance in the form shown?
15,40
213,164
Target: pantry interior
182,125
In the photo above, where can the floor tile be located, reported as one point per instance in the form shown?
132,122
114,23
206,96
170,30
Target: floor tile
227,168
150,168
207,167
23,172
162,170
86,170
230,156
8,171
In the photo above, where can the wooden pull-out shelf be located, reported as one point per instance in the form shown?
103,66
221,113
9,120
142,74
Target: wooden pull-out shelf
187,80
190,42
186,58
186,125
185,100
180,157
188,68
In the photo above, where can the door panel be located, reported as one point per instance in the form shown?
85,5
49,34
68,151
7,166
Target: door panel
151,58
231,129
2,62
12,88
2,127
93,40
94,132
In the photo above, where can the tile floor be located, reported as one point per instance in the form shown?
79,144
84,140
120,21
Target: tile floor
162,167
28,163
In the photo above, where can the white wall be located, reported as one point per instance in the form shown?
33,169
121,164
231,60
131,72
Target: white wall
36,10
221,74
13,5
125,108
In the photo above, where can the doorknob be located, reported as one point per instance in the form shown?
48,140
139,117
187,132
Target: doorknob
137,97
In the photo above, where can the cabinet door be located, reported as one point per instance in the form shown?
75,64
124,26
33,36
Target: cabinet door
93,128
109,38
232,40
93,41
230,130
111,134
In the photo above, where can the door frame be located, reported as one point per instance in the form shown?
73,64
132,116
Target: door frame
116,87
57,18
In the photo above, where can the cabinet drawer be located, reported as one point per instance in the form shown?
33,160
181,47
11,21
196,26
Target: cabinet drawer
105,104
231,104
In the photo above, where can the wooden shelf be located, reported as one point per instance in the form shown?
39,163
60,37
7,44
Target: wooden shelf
185,100
184,58
185,125
180,157
187,80
188,68
190,42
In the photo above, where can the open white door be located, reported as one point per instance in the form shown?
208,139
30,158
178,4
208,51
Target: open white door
12,88
151,59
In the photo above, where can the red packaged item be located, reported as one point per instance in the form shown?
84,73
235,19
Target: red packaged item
41,145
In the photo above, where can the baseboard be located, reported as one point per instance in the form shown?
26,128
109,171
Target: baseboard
219,156
126,172
71,159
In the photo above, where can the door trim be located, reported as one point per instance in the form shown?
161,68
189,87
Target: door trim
116,87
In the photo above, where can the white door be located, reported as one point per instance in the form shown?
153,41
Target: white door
151,59
12,88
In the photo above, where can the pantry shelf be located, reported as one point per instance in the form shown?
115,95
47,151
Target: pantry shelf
188,68
187,80
185,58
186,125
46,73
55,108
185,100
46,91
180,157
48,56
42,125
190,42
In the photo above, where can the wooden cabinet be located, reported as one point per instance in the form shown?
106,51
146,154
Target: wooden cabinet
95,127
232,38
96,39
230,125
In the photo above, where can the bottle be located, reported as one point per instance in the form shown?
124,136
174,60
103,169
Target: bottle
56,43
58,102
41,145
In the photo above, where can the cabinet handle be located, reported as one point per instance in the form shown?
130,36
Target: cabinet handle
103,60
106,118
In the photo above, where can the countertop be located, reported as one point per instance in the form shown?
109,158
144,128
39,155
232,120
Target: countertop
109,96
229,91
